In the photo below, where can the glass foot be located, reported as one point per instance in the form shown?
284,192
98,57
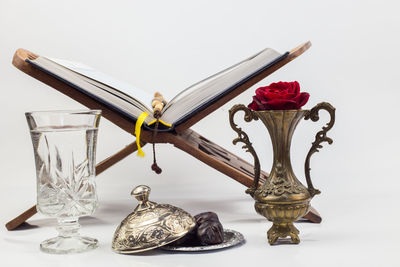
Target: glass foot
67,245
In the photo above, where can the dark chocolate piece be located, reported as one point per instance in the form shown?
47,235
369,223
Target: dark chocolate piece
190,239
206,216
210,233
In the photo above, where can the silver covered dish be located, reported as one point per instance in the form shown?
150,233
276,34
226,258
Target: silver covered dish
150,225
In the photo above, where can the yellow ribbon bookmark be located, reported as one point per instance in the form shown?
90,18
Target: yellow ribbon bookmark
138,127
166,124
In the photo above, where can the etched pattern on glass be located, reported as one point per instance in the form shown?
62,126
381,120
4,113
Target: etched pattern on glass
65,171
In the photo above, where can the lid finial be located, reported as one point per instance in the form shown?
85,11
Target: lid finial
141,193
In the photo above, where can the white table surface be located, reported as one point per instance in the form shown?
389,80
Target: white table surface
356,230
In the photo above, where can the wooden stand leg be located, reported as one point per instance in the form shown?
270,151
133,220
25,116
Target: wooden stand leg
313,216
11,225
102,166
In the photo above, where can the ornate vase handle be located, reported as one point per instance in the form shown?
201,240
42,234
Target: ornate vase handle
320,137
244,138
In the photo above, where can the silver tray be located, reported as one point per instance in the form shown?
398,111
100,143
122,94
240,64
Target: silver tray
231,238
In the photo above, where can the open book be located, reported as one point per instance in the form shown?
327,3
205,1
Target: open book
132,102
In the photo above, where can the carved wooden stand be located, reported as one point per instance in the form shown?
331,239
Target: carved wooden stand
183,138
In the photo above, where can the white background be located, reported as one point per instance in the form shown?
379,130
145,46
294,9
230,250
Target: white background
168,45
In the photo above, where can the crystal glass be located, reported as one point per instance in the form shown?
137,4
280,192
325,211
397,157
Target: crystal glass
64,145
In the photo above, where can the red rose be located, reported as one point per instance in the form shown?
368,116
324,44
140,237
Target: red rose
279,96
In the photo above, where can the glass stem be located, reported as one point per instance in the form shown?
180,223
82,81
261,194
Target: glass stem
68,227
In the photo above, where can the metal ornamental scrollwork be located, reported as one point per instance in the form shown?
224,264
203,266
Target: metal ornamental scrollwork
148,230
244,138
320,137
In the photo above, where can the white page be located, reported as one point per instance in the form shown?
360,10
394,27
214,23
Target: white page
204,91
94,74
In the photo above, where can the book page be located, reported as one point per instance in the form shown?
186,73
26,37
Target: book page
196,97
106,95
144,97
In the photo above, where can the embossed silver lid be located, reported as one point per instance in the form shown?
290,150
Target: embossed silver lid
150,225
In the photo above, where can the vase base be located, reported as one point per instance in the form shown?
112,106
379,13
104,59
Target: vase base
68,245
282,230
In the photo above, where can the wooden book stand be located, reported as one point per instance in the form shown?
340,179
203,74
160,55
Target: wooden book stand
184,138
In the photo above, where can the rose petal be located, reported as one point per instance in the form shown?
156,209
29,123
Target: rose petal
259,102
253,105
261,90
294,88
271,95
297,87
281,104
288,96
279,86
271,86
302,99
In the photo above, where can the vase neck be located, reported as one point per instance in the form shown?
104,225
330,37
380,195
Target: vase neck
281,125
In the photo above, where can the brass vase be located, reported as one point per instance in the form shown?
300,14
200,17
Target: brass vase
281,198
